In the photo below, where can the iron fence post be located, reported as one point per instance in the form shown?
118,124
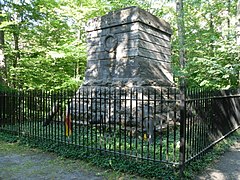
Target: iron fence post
182,128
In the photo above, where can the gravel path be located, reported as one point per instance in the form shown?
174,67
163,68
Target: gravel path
226,168
36,165
24,163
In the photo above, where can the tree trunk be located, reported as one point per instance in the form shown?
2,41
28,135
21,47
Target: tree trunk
2,61
181,32
211,26
17,53
238,23
228,19
16,48
229,12
180,24
3,65
238,34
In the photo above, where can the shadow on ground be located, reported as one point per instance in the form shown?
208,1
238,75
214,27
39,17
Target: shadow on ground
226,168
19,162
28,165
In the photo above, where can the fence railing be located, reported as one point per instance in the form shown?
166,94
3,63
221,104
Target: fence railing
143,123
210,116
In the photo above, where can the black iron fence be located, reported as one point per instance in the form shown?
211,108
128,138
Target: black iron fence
143,123
210,117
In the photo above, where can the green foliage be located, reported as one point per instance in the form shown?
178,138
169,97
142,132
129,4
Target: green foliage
218,71
48,50
211,50
54,70
51,57
4,87
8,137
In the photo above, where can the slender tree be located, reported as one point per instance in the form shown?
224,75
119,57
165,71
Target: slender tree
238,34
238,23
3,65
181,32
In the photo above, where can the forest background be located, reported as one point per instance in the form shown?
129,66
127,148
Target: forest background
43,42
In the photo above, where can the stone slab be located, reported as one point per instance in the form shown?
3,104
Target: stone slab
136,26
132,43
138,68
125,16
133,35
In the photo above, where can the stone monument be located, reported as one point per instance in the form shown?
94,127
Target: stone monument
129,47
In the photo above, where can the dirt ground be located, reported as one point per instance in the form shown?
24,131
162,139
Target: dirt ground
23,163
226,168
36,165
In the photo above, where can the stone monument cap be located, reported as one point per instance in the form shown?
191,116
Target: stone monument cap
126,16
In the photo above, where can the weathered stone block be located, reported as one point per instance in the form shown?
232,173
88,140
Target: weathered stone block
129,46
